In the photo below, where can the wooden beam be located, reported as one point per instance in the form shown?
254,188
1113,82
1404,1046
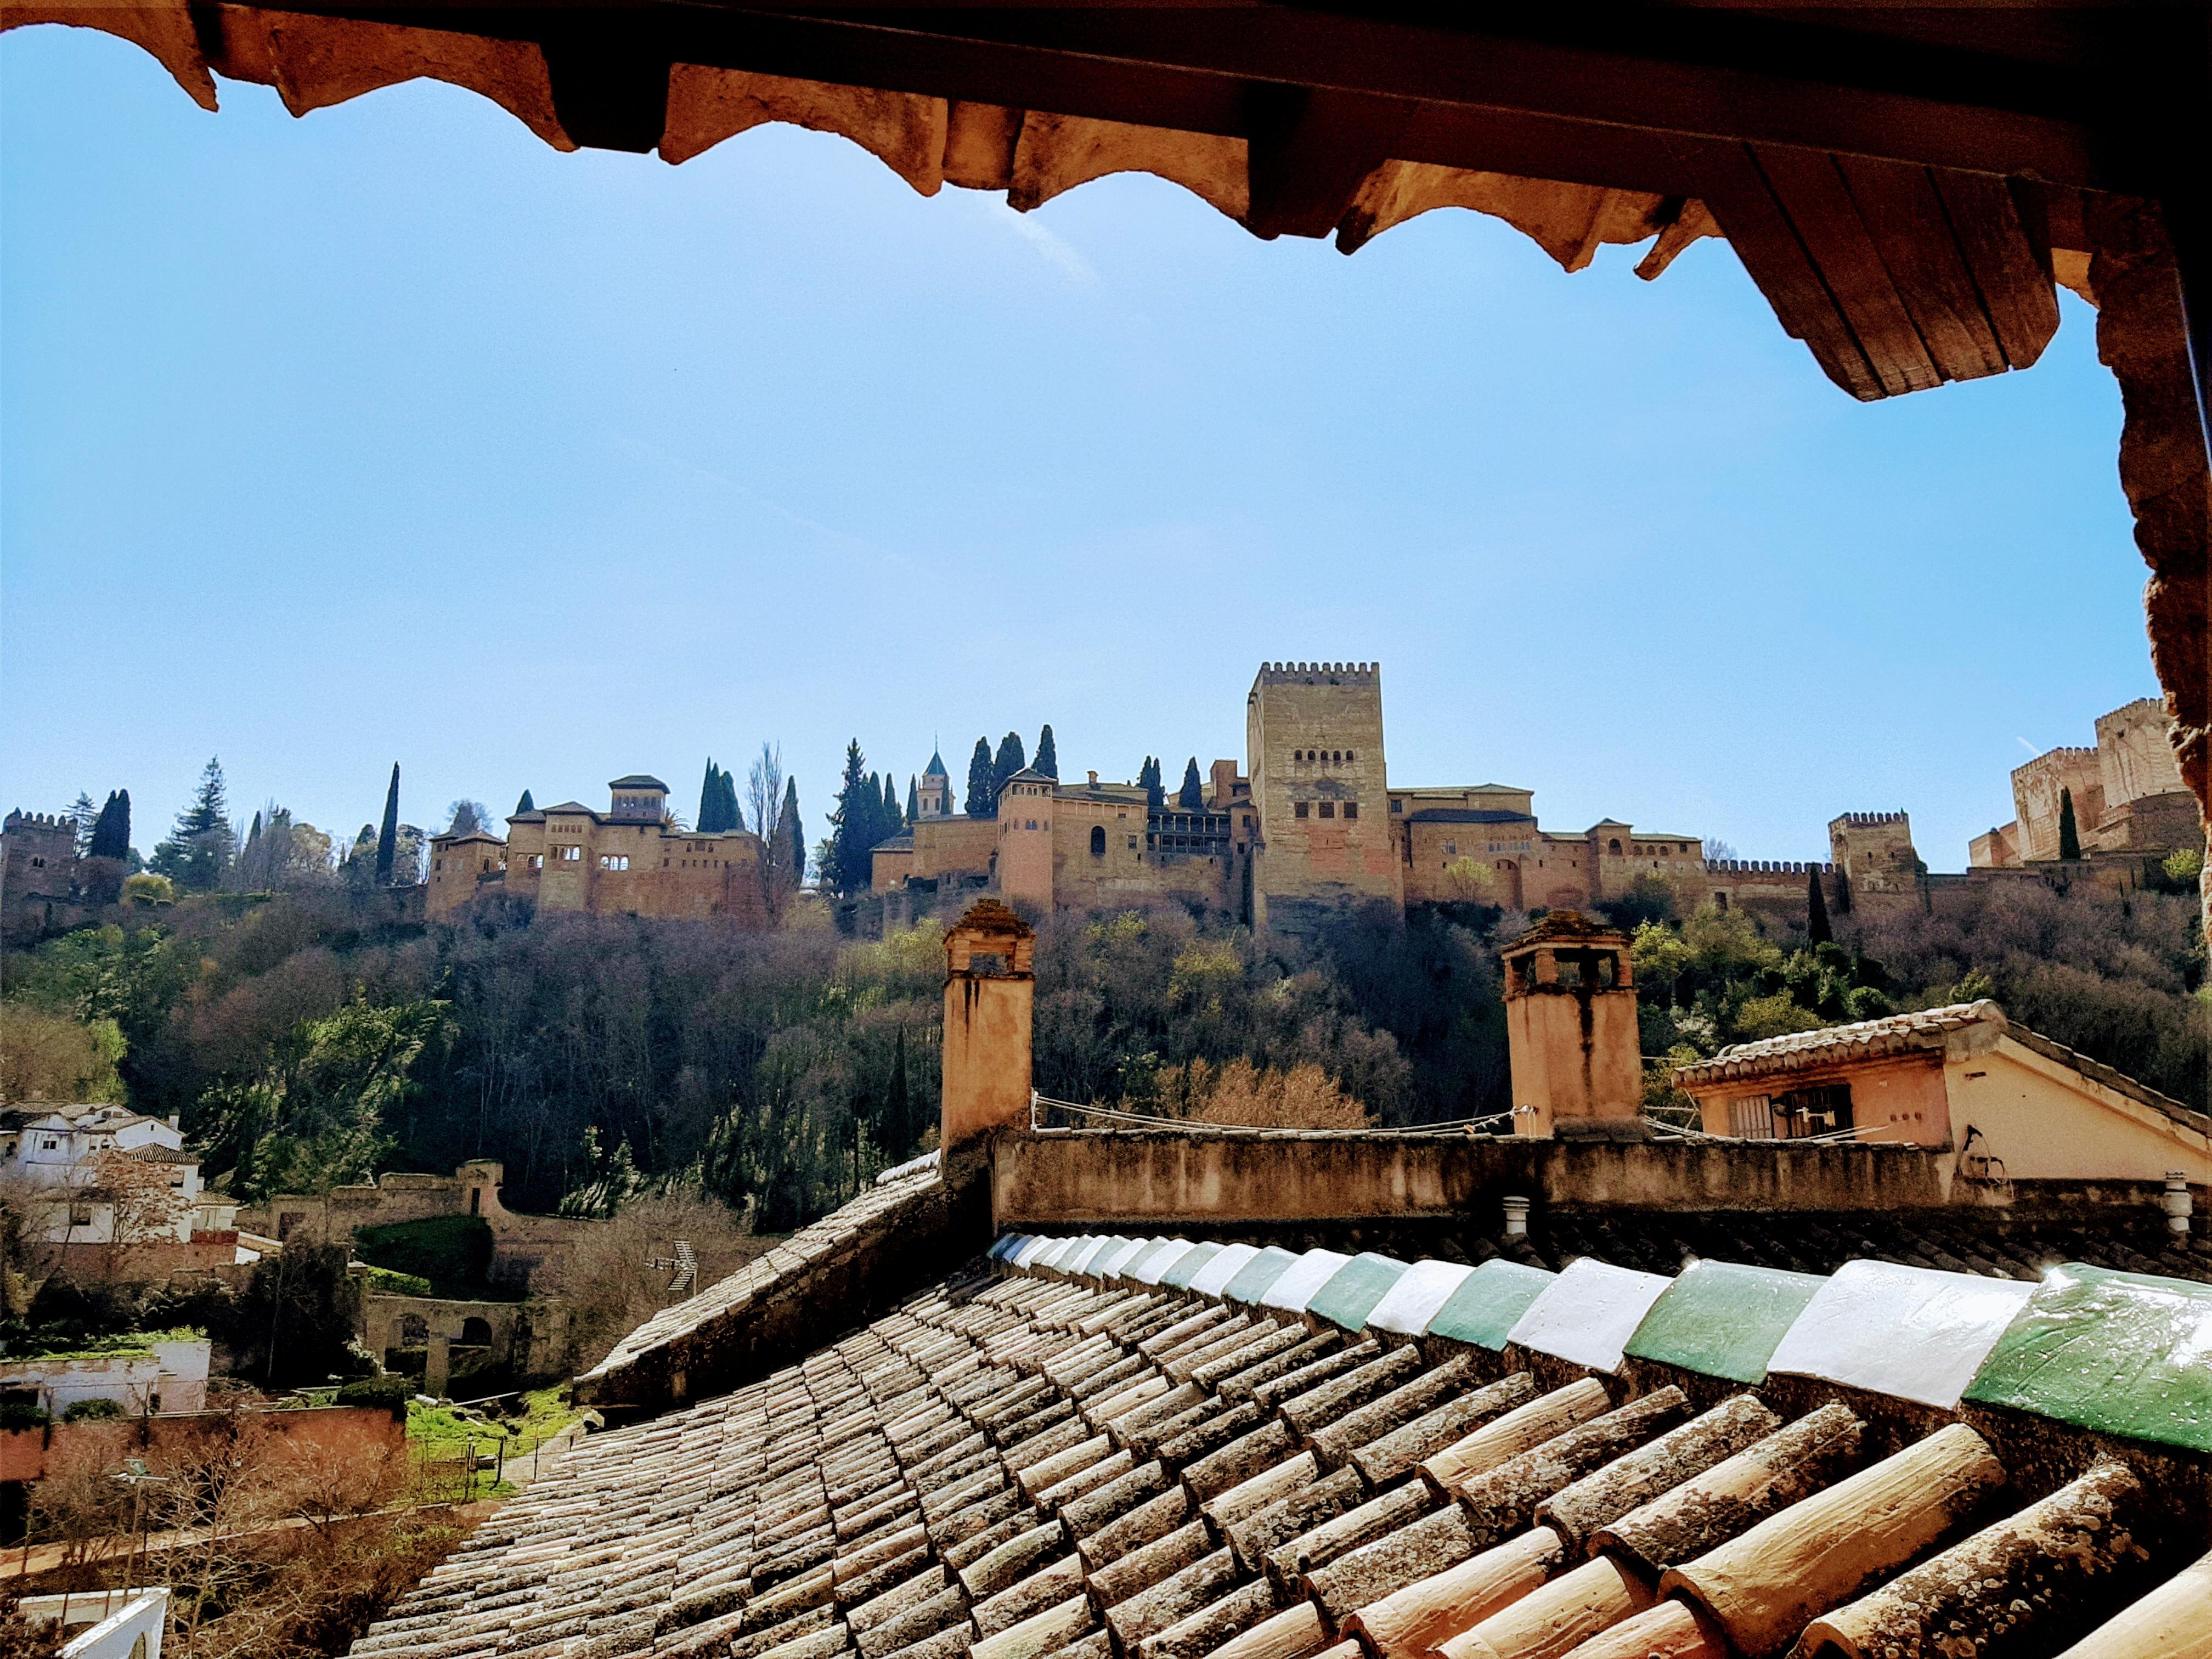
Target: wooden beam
1151,64
1309,153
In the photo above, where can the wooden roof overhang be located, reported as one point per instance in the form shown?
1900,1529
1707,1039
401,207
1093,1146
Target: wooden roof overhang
1905,184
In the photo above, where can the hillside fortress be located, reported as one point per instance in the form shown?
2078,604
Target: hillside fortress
1311,826
632,859
2128,799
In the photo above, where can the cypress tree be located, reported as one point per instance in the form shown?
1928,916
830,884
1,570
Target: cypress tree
899,1134
1048,755
710,799
894,820
858,801
1192,796
982,799
1156,793
2069,837
387,838
1010,761
1817,931
111,833
913,798
525,804
788,825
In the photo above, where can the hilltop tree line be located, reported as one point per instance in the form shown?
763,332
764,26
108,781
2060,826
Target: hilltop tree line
868,812
781,1070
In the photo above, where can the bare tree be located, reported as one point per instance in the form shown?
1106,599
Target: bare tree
765,794
142,1204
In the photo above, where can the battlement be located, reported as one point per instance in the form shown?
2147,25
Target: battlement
2051,759
1769,867
1306,673
20,820
1861,819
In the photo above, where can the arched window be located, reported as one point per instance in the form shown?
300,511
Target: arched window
1098,841
414,1331
477,1332
1615,843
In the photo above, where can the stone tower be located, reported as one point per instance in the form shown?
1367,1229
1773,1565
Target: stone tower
1873,851
933,795
989,997
1571,1028
1313,734
1025,867
638,797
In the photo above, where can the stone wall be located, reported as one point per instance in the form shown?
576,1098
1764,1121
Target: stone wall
2036,788
2133,754
1157,1177
823,1280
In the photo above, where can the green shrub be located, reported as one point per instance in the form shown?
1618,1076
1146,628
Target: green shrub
22,1415
382,1281
93,1411
392,1393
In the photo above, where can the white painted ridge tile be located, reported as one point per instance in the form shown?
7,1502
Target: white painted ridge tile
1587,1315
1301,1281
1407,1306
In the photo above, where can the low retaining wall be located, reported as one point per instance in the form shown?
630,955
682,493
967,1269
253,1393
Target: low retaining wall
333,1433
1134,1177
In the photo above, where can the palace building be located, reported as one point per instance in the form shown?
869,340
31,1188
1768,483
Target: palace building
1310,826
633,859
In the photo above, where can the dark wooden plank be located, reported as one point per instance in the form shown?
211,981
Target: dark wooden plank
1140,63
2012,273
1811,193
1731,183
1905,220
1309,152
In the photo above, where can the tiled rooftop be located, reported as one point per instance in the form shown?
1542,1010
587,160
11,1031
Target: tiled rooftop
1111,1447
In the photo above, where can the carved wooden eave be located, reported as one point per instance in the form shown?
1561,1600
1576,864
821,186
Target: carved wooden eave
1905,185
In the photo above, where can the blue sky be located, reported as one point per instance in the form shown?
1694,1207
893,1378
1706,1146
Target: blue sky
391,434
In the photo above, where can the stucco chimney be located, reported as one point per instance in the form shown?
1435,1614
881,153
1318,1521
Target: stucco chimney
989,994
1571,1029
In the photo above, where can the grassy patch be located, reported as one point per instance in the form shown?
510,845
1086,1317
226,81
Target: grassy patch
438,1443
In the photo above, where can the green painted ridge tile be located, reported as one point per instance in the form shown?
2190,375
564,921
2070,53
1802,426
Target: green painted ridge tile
1354,1289
1184,1271
1490,1302
1723,1319
2119,1353
1254,1278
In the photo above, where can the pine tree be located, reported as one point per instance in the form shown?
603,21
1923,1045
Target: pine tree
1817,929
525,804
83,814
982,798
2069,837
1048,755
1010,761
200,846
387,838
913,798
791,829
110,834
1192,796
